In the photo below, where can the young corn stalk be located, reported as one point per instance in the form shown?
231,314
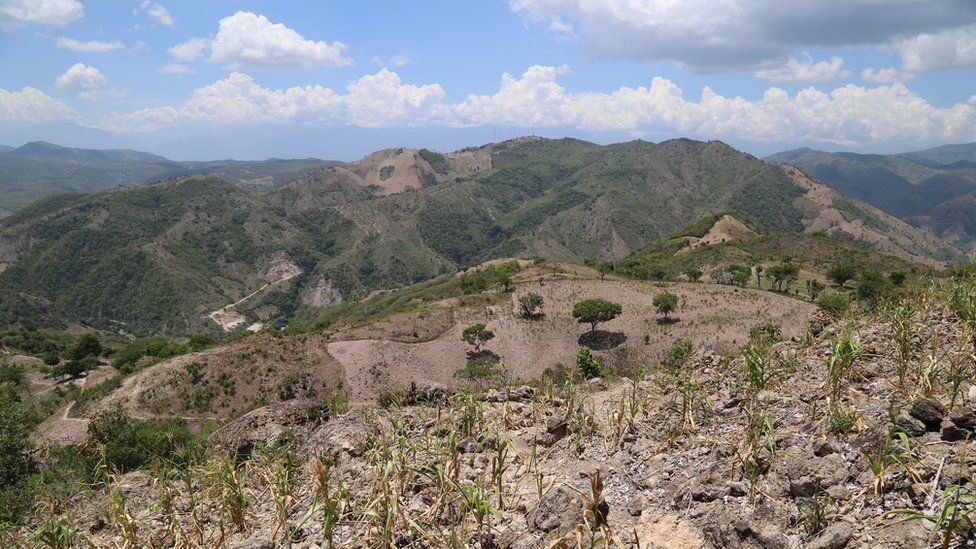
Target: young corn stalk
845,349
953,520
906,331
280,474
118,517
499,465
331,502
894,450
227,485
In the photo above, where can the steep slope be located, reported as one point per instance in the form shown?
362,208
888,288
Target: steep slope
953,221
163,256
909,186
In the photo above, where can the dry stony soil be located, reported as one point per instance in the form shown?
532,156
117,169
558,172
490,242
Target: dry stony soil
672,468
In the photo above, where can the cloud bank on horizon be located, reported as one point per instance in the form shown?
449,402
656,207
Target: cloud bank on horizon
850,73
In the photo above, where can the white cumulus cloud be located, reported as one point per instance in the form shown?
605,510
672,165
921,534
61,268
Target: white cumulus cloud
190,50
88,83
380,99
30,107
88,46
156,11
888,75
249,40
806,70
16,13
947,49
848,115
398,60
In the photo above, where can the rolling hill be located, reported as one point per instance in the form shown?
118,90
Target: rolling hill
163,257
40,169
918,187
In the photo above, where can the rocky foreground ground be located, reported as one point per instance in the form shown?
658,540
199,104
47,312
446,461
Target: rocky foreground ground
842,437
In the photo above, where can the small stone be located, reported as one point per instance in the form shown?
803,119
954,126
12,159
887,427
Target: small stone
636,505
835,536
738,489
964,418
930,412
918,490
469,446
823,448
911,425
952,433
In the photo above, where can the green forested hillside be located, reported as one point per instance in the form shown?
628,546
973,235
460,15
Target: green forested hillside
160,257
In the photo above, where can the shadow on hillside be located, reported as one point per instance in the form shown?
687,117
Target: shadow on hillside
602,340
669,320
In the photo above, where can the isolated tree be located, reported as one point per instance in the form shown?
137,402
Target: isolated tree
784,273
531,305
604,267
595,311
477,335
693,274
871,283
840,273
665,303
87,345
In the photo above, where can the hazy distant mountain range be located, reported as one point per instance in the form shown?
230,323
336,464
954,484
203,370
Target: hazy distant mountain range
40,169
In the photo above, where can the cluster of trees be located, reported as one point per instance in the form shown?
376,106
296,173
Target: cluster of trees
589,311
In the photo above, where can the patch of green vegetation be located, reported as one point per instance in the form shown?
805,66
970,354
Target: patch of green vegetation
436,160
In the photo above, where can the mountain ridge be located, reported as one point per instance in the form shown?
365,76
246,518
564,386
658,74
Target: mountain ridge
161,257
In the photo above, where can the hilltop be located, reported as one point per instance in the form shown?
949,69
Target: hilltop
163,257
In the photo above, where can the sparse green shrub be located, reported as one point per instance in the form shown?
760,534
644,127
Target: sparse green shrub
195,369
677,354
133,443
765,333
836,304
530,305
589,366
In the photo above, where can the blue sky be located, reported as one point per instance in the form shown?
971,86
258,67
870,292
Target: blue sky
253,79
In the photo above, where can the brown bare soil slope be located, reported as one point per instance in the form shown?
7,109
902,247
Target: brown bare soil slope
232,378
717,318
838,215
